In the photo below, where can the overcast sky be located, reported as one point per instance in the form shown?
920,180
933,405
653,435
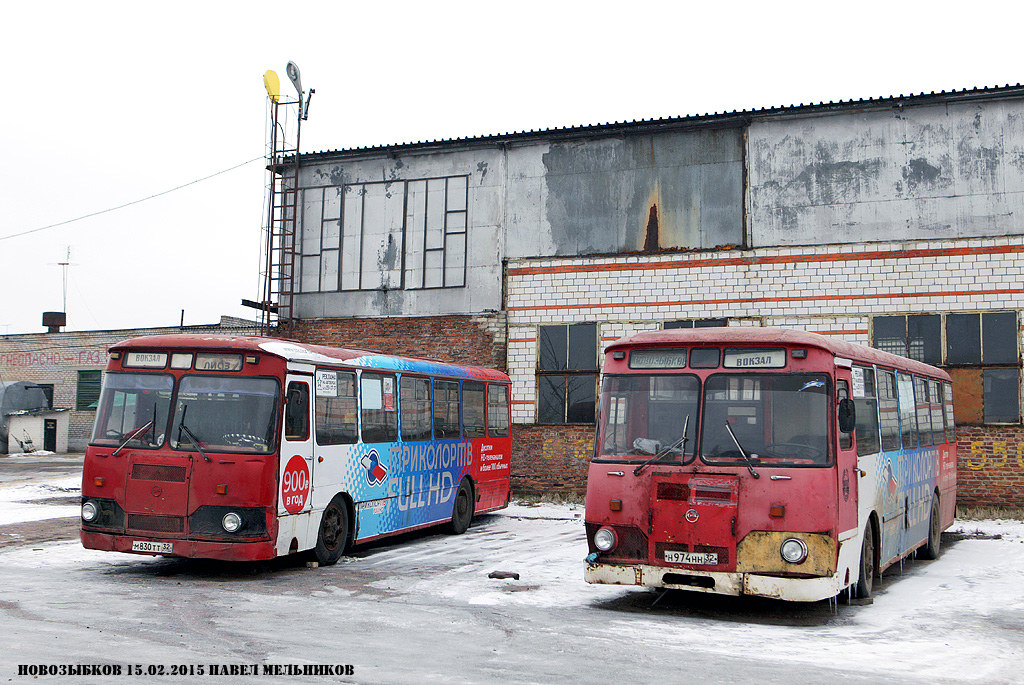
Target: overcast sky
108,103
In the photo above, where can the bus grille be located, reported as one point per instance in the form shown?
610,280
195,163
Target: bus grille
170,474
161,524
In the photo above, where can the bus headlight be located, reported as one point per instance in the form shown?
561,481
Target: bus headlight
90,511
793,550
231,522
605,539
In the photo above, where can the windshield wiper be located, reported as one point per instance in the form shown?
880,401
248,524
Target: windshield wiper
749,462
134,434
182,428
680,442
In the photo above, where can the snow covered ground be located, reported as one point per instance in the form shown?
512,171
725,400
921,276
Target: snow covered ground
421,608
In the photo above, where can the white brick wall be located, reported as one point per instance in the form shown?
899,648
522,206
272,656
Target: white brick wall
833,290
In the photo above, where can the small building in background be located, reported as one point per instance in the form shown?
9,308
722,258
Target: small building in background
66,369
38,430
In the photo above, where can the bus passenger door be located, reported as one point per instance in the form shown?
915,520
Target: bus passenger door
846,461
296,464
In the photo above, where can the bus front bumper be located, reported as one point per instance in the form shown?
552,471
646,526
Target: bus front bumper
717,582
194,549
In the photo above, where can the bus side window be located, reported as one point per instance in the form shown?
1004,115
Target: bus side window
497,410
950,424
473,420
446,410
296,416
867,415
888,410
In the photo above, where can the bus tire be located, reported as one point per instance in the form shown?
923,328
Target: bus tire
462,510
866,579
333,536
931,547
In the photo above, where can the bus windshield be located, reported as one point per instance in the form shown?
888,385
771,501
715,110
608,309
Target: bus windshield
133,410
643,416
777,419
231,414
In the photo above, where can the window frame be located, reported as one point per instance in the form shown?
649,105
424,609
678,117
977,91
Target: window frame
563,372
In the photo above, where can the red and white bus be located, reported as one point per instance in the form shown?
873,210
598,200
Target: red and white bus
758,461
252,448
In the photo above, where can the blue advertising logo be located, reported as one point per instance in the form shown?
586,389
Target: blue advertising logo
375,471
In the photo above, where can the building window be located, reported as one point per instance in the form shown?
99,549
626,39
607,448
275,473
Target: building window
88,391
979,350
567,373
384,234
696,323
914,337
47,389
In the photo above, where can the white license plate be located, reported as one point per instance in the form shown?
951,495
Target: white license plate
155,547
705,558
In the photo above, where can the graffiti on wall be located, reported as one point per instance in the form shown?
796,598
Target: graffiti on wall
995,455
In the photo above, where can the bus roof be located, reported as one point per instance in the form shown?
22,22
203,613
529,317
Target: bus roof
754,335
295,351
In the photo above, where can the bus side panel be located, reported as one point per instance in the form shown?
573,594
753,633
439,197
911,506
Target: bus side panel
947,485
416,487
491,473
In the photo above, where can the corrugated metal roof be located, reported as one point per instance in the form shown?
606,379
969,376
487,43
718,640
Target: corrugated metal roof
733,118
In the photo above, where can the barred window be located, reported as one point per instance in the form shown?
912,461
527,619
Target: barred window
88,391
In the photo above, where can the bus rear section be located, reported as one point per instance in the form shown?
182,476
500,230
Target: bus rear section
725,462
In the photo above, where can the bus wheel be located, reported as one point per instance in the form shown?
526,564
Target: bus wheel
333,536
462,511
931,548
867,564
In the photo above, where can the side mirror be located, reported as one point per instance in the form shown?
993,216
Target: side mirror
847,416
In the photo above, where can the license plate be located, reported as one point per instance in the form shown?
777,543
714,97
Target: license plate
155,547
703,558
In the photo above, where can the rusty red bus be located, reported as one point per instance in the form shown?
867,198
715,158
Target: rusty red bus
766,462
252,448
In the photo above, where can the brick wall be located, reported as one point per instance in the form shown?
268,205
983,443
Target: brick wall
990,469
476,340
551,459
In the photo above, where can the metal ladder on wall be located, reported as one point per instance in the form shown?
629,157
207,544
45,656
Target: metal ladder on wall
276,316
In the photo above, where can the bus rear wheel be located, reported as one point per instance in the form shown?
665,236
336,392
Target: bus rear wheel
867,564
333,535
462,511
931,548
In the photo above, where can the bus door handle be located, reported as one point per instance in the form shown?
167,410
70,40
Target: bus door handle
617,473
